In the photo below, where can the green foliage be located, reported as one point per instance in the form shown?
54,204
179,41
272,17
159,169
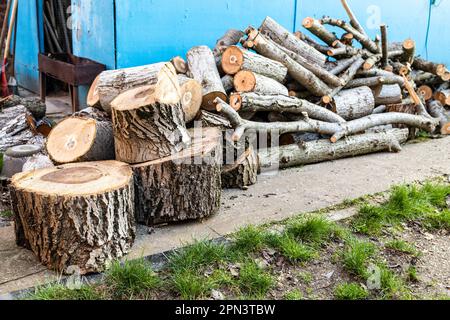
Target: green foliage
411,274
130,278
438,220
190,285
290,248
392,286
294,295
314,230
61,292
254,281
8,214
350,291
403,247
356,256
249,239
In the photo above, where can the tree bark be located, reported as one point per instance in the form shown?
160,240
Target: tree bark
183,186
323,150
270,50
443,96
354,103
80,139
437,110
243,172
34,105
202,67
317,28
271,29
253,102
148,122
428,66
191,97
387,94
247,81
14,128
112,83
76,215
209,119
228,83
230,38
236,59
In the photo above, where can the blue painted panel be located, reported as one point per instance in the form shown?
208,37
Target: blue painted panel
156,30
93,30
405,18
28,44
439,36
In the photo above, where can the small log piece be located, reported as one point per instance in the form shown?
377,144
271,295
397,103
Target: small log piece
354,103
243,172
247,81
437,110
191,97
387,94
179,64
34,105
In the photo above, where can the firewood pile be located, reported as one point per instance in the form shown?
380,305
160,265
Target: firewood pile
159,142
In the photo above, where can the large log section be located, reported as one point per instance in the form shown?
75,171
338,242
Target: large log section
75,215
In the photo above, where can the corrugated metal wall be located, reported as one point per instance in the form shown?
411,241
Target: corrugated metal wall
123,33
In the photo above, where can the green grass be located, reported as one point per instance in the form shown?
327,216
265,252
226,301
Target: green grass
392,286
254,281
8,214
294,295
249,239
290,248
190,285
61,292
406,203
356,256
438,220
350,291
411,274
402,247
313,230
130,279
306,277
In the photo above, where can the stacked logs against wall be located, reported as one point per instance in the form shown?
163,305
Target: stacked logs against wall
325,99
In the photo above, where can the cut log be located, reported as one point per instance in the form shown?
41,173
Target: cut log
409,49
425,92
437,110
15,129
428,66
191,97
253,102
80,139
243,172
112,83
236,59
179,64
389,77
34,105
247,81
316,28
313,43
209,119
230,38
354,103
343,65
387,94
183,186
270,50
443,96
271,29
148,122
202,67
324,150
384,46
75,216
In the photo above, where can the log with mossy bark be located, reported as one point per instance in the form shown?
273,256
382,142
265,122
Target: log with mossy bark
148,122
75,217
183,186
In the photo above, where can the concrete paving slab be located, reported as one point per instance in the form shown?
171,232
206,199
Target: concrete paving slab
275,198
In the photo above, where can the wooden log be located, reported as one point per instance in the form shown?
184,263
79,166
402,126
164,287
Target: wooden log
425,92
389,77
36,162
443,96
317,28
409,49
242,173
343,65
236,59
191,97
428,66
75,216
81,139
353,20
372,82
354,103
15,129
202,67
384,46
271,29
112,83
324,150
148,122
379,109
230,38
313,43
387,94
209,119
228,83
253,102
270,50
179,64
183,186
34,105
247,81
436,109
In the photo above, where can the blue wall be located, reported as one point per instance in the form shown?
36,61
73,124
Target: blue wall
124,33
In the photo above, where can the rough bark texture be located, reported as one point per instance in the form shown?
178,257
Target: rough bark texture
36,162
227,82
324,150
243,172
209,119
428,66
182,187
271,50
235,59
34,105
316,28
112,83
354,103
14,128
202,67
283,37
76,216
437,110
387,94
247,81
230,38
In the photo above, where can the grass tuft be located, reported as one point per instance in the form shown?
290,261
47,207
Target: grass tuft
350,291
254,281
131,278
403,247
249,239
8,214
294,295
290,248
190,285
438,220
356,256
61,292
314,230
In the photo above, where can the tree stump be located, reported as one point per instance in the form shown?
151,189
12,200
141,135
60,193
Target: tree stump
354,103
243,172
248,81
75,215
191,97
148,122
85,137
183,186
202,67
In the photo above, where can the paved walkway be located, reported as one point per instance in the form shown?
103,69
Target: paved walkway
274,198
